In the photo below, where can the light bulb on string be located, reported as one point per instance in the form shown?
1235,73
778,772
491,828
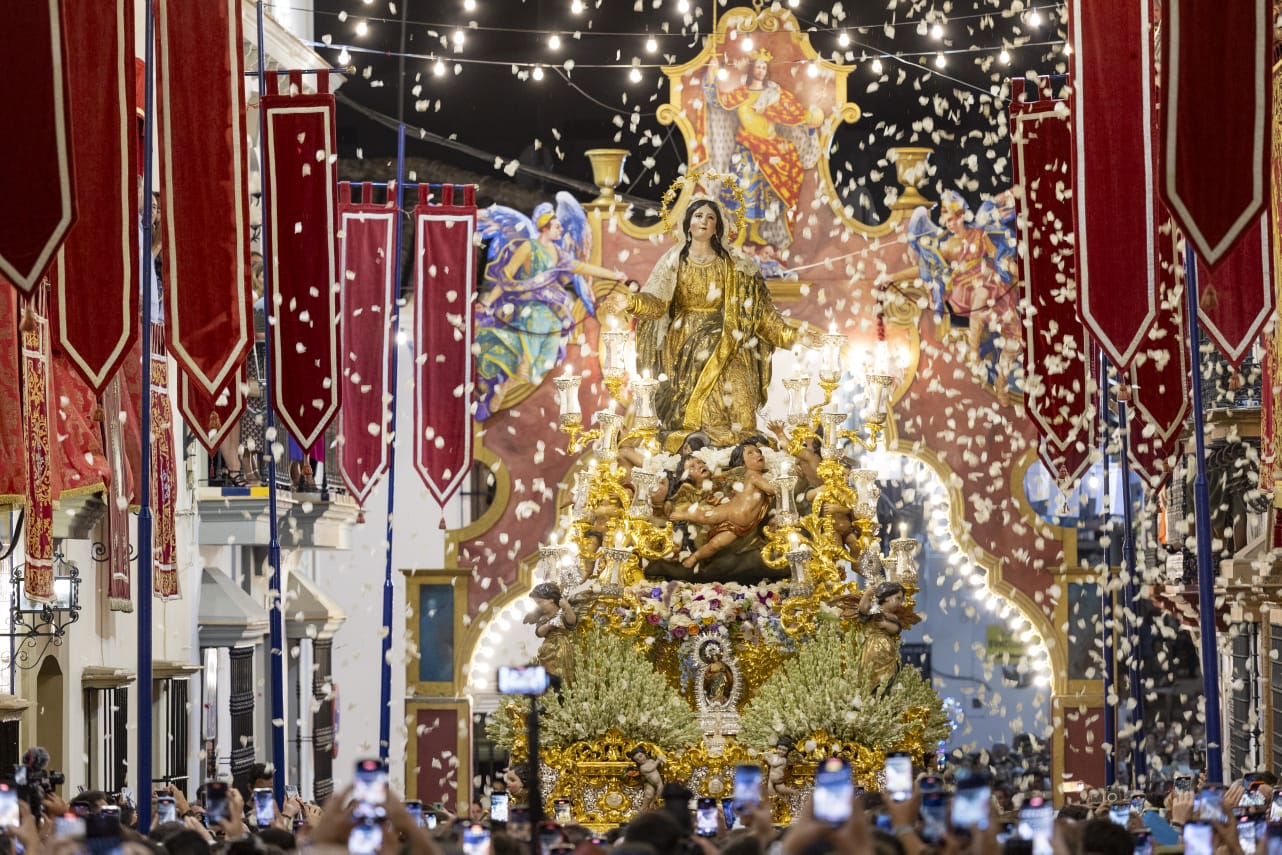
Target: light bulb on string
747,43
344,58
537,73
844,39
940,62
683,6
1068,49
361,28
1004,57
936,32
1034,18
635,75
876,66
651,45
794,3
812,69
469,5
577,7
554,41
438,68
722,74
459,38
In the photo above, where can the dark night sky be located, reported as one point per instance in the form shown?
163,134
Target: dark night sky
486,106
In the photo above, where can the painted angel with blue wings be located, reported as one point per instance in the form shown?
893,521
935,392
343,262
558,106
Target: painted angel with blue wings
970,263
537,285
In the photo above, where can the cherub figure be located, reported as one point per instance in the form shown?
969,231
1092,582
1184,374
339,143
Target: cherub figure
554,620
879,656
651,776
740,514
776,760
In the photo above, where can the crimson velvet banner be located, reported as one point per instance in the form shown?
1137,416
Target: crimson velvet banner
1060,390
444,273
1215,120
36,182
1159,377
13,456
1235,298
203,180
96,301
37,423
366,252
300,184
1113,173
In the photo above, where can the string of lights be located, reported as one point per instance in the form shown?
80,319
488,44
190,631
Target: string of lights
1032,16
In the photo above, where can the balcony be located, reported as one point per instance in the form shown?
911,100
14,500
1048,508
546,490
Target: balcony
317,515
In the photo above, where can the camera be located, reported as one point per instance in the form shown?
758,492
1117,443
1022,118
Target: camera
33,779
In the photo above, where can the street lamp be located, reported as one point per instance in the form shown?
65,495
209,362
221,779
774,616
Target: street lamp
50,619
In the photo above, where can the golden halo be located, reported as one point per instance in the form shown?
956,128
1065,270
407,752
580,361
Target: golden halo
698,175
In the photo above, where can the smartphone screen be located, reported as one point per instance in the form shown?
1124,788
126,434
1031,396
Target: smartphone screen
1119,814
1143,843
747,788
498,807
523,680
415,809
366,837
1273,834
1183,783
69,825
215,802
934,817
1207,804
561,812
369,787
264,807
1138,804
1247,833
518,823
166,810
1197,838
970,805
9,817
705,818
429,820
1037,823
899,776
476,840
1252,798
1275,808
834,790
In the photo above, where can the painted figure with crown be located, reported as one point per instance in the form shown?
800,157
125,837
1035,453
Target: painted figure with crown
763,135
536,289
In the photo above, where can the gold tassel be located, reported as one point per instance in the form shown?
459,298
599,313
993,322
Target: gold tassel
28,320
307,467
360,517
98,414
215,422
441,525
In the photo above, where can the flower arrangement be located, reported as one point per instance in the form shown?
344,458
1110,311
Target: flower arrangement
819,691
615,688
674,611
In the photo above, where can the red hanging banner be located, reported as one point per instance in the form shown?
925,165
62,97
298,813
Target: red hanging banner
1235,299
36,182
1060,390
299,185
96,301
1113,177
444,277
203,180
366,251
1159,376
164,488
1216,85
37,423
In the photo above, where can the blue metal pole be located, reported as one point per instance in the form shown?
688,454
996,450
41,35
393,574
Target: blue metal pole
1107,623
1135,629
1205,568
143,767
385,683
276,615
